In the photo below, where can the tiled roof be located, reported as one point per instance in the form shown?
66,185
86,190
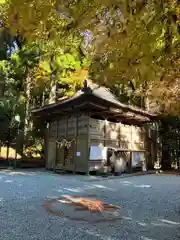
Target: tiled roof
99,92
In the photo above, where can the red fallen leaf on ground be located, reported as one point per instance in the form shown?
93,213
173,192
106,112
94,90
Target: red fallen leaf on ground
93,205
89,204
82,204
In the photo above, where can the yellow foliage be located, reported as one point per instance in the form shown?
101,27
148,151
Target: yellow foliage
12,153
143,46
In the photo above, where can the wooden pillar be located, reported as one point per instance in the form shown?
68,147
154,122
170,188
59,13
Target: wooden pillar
153,143
66,136
88,143
131,152
130,162
105,130
119,135
46,142
76,148
57,135
148,157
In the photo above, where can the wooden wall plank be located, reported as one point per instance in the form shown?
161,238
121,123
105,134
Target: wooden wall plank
62,128
72,129
96,128
112,130
83,122
53,129
112,143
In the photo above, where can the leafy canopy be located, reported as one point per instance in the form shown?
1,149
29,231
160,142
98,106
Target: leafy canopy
134,41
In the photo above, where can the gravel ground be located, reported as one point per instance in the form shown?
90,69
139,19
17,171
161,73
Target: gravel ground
150,207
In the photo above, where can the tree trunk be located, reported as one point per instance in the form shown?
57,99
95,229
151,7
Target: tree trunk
8,146
178,149
28,104
52,94
166,159
149,157
7,154
168,33
147,103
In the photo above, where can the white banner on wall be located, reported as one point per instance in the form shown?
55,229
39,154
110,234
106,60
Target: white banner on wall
138,159
98,153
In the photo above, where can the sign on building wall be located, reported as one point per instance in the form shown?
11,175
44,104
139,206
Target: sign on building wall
98,153
138,159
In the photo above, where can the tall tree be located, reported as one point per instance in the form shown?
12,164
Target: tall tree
137,41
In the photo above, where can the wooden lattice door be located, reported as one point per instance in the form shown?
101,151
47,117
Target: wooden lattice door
69,153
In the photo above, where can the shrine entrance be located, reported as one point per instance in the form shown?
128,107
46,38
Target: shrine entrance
65,154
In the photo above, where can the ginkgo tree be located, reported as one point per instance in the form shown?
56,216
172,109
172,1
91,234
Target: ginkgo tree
134,40
146,50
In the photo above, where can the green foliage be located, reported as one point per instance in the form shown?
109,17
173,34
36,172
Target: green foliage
8,110
136,40
67,61
31,62
170,138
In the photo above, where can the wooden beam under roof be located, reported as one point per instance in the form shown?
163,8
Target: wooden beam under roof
121,114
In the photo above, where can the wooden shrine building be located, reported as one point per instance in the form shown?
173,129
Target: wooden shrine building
92,117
